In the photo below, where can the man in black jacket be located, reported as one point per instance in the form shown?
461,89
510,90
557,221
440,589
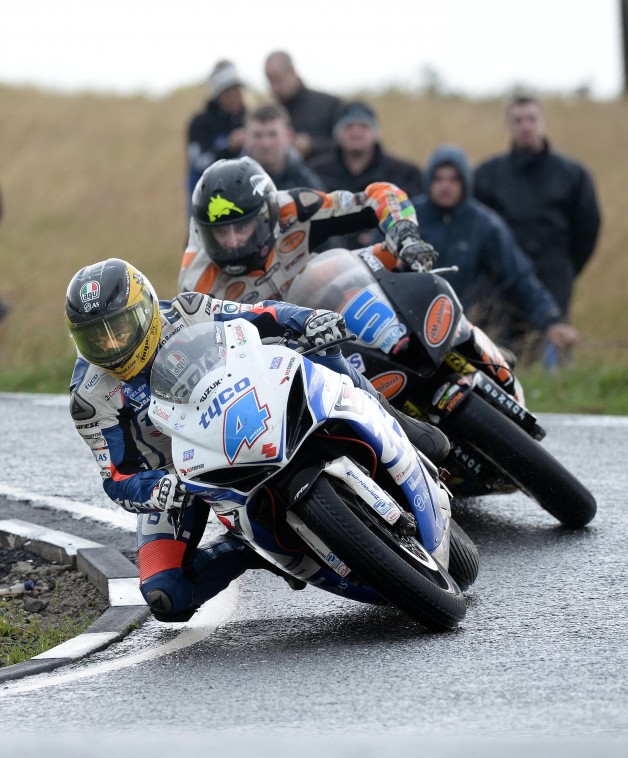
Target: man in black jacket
493,273
312,113
359,159
218,131
548,200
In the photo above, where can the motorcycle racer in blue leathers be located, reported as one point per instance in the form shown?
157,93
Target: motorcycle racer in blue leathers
118,326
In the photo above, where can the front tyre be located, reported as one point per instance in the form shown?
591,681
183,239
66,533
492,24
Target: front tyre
398,568
464,558
523,460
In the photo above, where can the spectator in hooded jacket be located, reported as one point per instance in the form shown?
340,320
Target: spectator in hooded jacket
494,275
218,131
312,113
547,199
269,139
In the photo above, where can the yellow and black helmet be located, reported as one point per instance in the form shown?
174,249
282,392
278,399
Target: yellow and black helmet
112,312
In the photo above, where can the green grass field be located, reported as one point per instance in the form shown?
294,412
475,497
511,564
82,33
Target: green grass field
87,177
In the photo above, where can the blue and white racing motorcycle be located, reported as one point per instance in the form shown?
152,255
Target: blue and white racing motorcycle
311,472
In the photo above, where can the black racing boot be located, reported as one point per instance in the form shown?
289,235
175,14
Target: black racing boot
425,437
255,561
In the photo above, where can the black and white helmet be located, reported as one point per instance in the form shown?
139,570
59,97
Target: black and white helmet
235,211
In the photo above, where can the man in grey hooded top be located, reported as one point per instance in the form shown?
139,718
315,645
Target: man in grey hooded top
496,282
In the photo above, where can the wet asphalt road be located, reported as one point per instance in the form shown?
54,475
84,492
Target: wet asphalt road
541,655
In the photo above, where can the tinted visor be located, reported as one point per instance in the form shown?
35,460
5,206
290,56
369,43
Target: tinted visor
235,242
110,340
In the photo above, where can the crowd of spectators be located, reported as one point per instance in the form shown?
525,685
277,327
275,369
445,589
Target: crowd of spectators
520,227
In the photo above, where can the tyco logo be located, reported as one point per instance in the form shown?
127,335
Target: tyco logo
215,410
220,206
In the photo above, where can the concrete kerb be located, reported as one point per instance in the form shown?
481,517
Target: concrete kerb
106,568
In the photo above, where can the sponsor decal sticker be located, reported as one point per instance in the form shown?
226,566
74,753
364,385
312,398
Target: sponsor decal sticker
291,241
188,454
177,362
234,290
439,320
276,362
390,383
219,206
89,292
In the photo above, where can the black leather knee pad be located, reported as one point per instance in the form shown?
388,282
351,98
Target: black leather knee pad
161,607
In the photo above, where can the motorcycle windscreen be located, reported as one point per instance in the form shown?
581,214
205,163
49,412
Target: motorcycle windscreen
337,280
196,353
330,280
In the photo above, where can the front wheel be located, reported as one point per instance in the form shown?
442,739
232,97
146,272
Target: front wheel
464,558
398,567
522,459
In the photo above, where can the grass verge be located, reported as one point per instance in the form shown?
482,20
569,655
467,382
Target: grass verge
23,636
583,387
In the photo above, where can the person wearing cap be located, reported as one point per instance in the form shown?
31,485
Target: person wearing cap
359,159
218,130
312,113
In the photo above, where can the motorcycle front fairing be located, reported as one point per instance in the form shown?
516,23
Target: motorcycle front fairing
230,405
238,411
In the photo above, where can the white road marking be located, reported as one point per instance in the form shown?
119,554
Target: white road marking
211,615
115,517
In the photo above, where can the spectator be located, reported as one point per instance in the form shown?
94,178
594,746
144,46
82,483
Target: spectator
493,271
548,200
312,113
269,139
359,159
218,131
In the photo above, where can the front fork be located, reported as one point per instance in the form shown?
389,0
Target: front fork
449,396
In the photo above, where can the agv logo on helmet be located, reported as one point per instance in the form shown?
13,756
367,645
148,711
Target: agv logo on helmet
89,294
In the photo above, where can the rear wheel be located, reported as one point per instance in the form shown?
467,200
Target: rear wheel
523,460
398,567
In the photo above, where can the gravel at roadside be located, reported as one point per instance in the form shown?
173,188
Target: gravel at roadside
36,594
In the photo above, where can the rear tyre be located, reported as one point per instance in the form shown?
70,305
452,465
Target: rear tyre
397,567
464,558
523,460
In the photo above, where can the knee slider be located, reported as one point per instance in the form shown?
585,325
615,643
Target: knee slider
169,595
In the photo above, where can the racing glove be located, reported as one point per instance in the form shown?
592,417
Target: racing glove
168,494
417,254
322,327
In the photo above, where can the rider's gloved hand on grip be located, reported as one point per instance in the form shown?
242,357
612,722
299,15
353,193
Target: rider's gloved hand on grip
405,240
167,494
322,327
417,255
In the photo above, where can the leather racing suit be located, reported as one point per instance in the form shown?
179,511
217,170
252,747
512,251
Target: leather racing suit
307,218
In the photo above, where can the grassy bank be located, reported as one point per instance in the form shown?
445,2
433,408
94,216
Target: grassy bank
87,177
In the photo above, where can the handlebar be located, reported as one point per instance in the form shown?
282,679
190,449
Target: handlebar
303,346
